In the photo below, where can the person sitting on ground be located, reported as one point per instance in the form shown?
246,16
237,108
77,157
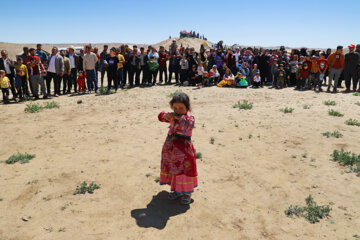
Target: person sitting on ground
228,79
240,80
257,80
214,75
193,75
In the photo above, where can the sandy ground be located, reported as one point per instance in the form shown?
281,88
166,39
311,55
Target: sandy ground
245,182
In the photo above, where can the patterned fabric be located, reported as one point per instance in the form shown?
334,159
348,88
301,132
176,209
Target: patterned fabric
180,184
178,154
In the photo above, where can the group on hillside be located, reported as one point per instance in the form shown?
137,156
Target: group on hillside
68,72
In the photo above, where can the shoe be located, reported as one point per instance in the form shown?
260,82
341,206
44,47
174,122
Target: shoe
36,97
174,195
45,97
328,90
186,199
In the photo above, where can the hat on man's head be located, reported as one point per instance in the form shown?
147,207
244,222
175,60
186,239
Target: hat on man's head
351,46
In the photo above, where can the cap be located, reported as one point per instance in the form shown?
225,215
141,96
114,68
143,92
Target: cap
351,46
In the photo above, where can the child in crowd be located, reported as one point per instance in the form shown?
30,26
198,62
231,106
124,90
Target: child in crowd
200,74
184,67
245,71
153,68
5,85
280,77
193,75
81,82
314,73
18,83
240,81
228,79
214,75
178,160
323,67
304,76
24,76
274,70
293,69
299,84
257,80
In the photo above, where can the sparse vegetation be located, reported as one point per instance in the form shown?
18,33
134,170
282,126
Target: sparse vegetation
174,93
306,106
304,155
348,159
243,105
85,188
335,134
62,229
198,154
148,174
250,136
332,112
330,103
312,212
20,157
356,94
103,90
33,108
157,179
358,103
212,140
293,156
287,110
52,104
352,122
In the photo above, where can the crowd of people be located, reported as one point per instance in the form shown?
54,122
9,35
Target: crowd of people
67,72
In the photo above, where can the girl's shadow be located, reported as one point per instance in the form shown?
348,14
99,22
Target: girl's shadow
158,211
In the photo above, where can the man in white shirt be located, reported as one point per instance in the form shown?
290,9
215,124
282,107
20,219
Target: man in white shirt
7,65
54,71
74,62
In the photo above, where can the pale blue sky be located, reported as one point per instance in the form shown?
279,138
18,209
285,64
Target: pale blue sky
311,23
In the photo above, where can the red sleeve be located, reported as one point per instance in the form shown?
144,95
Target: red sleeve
161,117
187,121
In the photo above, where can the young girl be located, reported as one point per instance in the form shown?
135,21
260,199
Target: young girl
81,82
178,160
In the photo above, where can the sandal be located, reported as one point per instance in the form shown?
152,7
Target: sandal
186,199
174,195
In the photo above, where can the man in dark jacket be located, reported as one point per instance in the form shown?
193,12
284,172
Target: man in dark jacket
163,57
174,65
102,65
351,68
264,66
74,64
134,60
144,66
8,66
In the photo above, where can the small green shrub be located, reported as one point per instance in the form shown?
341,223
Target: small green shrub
198,155
19,157
157,179
51,104
345,158
312,212
174,93
244,105
335,134
212,140
332,112
358,103
306,106
287,110
352,122
103,90
85,188
356,94
304,155
330,103
33,108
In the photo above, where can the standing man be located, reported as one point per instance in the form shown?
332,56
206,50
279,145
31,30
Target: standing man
144,66
35,66
336,63
174,65
97,65
25,54
351,68
102,66
8,66
41,54
358,51
163,57
134,60
89,64
54,71
74,65
66,75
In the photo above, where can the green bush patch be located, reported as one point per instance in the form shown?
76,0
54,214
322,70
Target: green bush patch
335,134
312,212
103,91
212,140
356,94
330,103
287,110
51,104
85,188
332,112
174,93
348,159
352,122
306,106
243,105
33,108
198,155
20,157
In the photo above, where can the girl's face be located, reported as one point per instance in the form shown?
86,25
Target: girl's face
179,108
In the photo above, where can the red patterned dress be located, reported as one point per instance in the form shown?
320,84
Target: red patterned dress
178,160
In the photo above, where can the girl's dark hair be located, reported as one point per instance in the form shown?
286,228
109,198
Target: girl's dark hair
181,98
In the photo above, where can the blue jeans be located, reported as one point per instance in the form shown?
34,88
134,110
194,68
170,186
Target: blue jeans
120,77
91,77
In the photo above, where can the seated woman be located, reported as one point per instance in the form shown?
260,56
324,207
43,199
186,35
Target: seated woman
228,79
214,75
245,71
240,81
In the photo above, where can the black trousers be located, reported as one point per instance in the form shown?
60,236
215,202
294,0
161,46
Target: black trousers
67,83
57,80
152,76
263,75
163,70
176,72
11,78
183,75
5,92
24,85
351,75
126,73
112,77
102,76
73,77
145,74
134,71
